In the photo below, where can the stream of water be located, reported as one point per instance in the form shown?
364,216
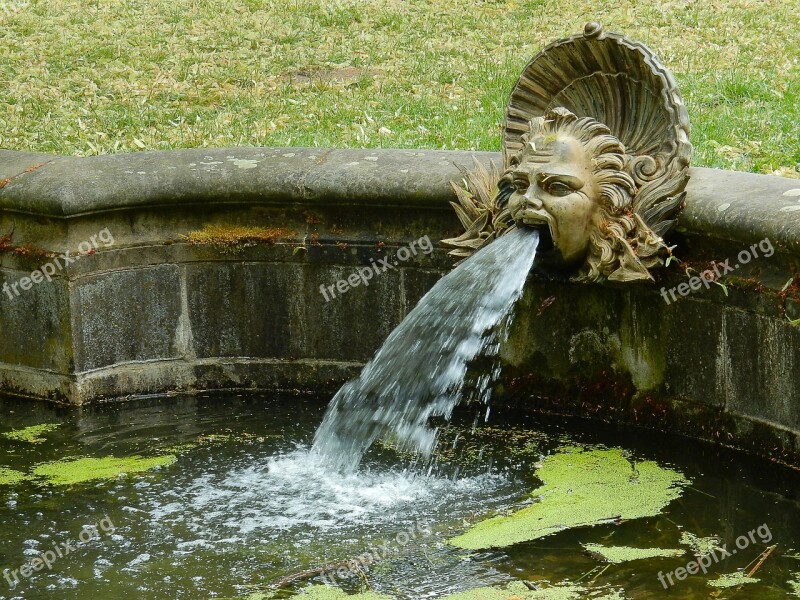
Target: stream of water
419,371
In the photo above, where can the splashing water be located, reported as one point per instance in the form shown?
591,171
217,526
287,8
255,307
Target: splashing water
419,371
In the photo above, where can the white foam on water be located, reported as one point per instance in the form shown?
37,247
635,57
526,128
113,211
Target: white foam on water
299,492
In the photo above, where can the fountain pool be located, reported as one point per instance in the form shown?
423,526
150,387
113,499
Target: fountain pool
242,507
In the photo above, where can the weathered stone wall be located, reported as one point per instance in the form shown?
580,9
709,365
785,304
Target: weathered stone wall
156,314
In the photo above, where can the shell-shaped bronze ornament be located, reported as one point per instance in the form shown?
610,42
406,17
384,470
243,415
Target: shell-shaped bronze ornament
612,97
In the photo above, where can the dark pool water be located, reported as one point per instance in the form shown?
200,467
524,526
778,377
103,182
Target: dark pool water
247,506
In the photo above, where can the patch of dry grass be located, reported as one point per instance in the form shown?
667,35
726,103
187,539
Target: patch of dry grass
100,76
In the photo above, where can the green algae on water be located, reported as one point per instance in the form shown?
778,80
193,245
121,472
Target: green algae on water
614,595
620,554
519,590
516,590
253,596
544,591
581,488
794,583
327,592
219,438
729,580
466,446
11,477
33,434
701,546
71,471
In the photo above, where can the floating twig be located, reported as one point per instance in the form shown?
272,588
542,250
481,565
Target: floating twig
761,558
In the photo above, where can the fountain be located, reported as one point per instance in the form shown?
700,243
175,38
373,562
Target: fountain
601,196
150,283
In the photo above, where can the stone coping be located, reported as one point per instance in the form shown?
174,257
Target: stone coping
728,205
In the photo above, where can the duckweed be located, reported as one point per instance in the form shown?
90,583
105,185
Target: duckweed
11,477
327,592
33,434
701,546
581,488
729,580
519,591
72,471
621,554
794,583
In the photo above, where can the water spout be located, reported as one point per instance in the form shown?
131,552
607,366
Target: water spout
419,371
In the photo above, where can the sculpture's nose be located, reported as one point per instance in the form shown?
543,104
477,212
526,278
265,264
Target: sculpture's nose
531,198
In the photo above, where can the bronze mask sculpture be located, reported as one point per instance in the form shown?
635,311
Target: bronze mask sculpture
596,155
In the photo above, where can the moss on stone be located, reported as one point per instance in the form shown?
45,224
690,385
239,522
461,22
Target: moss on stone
581,488
236,236
32,434
621,554
72,471
729,580
701,546
11,477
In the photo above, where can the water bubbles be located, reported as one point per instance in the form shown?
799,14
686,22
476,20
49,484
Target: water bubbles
141,559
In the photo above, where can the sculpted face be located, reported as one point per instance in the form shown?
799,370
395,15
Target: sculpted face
569,177
554,186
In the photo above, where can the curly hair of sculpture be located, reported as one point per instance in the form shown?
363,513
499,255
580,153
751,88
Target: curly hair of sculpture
596,151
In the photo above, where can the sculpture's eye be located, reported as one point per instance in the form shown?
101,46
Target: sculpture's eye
558,188
521,184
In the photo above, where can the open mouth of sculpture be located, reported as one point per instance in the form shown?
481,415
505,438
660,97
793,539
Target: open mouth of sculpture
546,245
539,221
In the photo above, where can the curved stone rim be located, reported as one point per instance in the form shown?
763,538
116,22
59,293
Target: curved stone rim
48,185
727,205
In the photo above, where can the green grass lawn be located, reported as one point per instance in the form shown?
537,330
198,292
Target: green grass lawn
103,76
